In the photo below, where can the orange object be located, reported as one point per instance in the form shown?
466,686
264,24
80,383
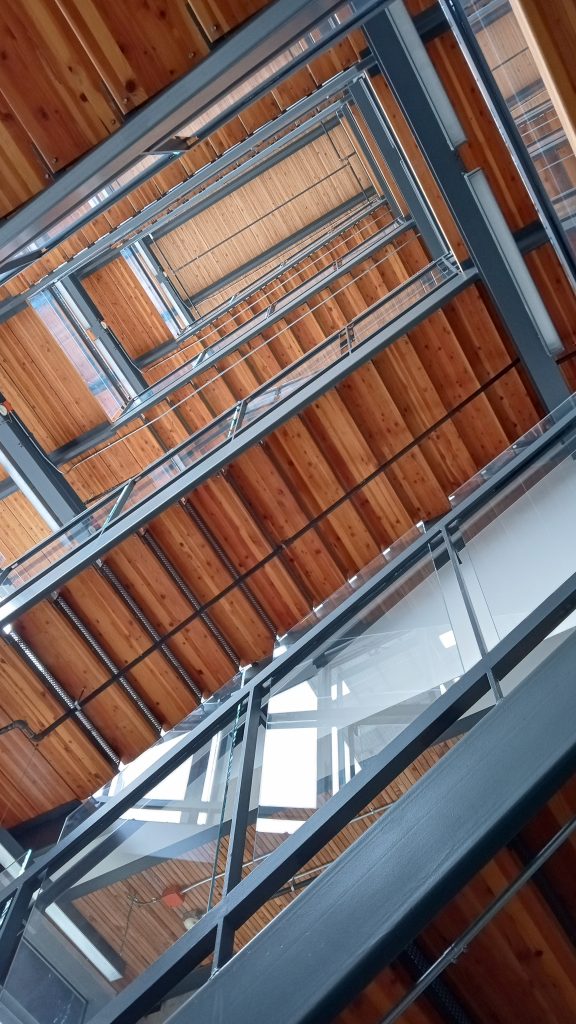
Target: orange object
172,898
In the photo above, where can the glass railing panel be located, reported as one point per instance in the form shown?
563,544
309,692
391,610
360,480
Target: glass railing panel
517,78
515,550
13,870
136,768
510,454
346,703
170,467
404,298
147,882
78,533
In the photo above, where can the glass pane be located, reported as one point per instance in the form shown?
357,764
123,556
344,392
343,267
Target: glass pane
523,530
153,876
510,453
358,692
516,76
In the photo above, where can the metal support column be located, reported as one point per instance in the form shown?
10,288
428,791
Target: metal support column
501,113
31,470
13,920
403,60
380,131
224,946
122,366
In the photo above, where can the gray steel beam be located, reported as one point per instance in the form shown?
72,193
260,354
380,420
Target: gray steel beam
224,347
31,470
364,909
190,478
417,88
231,63
379,128
122,366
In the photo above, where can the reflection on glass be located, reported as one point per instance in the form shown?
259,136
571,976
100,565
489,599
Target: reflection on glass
515,72
509,454
340,708
524,530
160,870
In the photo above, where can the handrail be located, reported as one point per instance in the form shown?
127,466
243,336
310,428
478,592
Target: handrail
80,851
446,268
563,422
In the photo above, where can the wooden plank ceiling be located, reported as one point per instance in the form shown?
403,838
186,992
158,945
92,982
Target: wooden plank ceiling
250,552
94,62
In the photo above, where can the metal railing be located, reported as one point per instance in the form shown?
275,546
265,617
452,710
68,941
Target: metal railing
378,673
218,436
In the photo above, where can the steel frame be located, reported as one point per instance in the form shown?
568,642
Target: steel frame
365,907
67,863
410,73
224,347
460,26
243,438
252,46
233,161
407,183
33,472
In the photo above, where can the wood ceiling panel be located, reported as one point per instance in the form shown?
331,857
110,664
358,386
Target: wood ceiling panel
42,385
57,97
279,202
138,47
94,62
79,670
138,327
166,606
21,528
23,171
118,631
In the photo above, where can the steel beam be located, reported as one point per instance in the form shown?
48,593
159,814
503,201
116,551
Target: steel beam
123,368
221,710
31,470
161,278
462,29
404,62
190,478
285,305
231,63
400,169
363,910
